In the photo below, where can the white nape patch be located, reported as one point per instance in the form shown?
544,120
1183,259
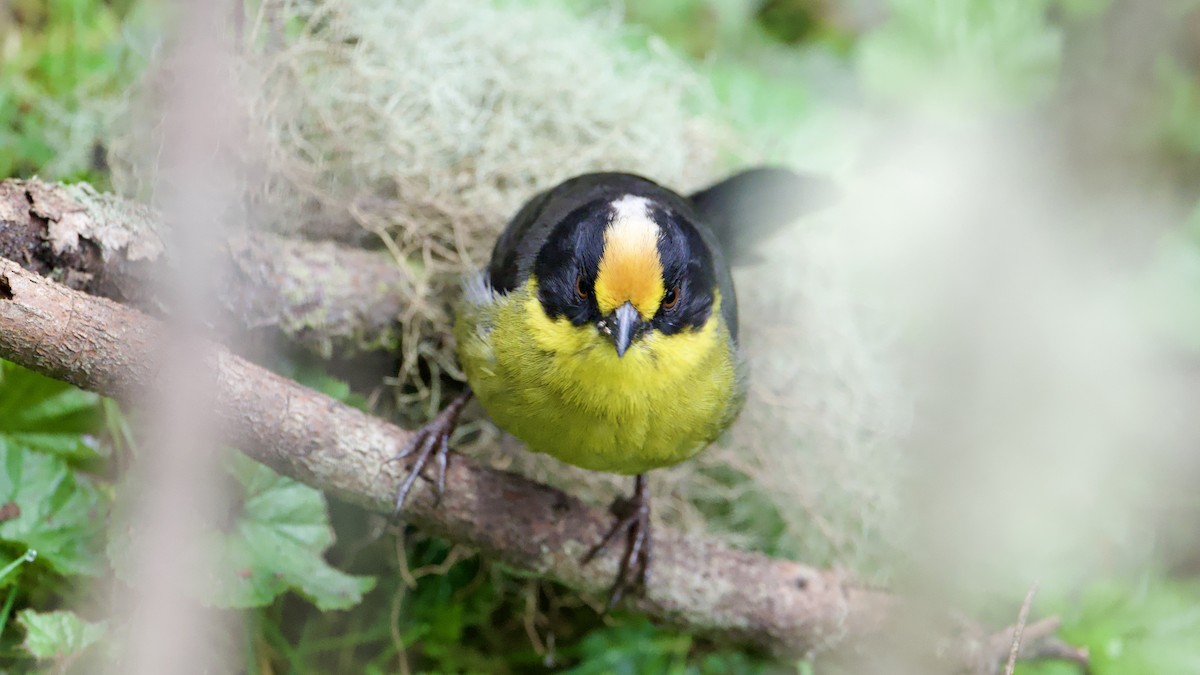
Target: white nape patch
631,222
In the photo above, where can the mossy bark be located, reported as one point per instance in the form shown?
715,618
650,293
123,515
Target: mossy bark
324,297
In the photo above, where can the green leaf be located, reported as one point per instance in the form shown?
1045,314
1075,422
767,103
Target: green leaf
58,513
47,505
972,52
46,415
332,387
282,531
274,543
635,646
55,635
1130,626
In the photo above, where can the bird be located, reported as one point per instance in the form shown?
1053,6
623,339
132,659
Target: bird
604,330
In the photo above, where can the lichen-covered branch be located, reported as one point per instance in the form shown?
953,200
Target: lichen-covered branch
325,297
777,605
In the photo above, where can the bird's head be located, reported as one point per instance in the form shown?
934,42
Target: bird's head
631,267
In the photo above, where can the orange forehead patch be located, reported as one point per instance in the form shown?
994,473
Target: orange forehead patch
630,269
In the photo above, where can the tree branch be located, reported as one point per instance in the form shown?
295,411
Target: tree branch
324,297
777,605
104,347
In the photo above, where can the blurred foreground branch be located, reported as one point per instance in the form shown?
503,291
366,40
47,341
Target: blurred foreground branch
324,297
777,605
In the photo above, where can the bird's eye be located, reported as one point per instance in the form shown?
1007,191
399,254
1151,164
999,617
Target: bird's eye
670,298
579,290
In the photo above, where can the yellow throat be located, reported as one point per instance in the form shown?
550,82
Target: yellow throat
564,391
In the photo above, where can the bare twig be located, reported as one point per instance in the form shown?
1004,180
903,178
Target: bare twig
1022,617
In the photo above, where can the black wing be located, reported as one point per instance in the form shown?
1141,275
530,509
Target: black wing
504,268
745,208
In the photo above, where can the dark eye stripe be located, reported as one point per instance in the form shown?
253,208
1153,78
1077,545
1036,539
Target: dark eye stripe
566,262
687,268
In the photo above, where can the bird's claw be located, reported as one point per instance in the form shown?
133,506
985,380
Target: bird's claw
431,440
635,524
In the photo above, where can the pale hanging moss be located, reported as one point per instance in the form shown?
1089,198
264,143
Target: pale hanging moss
425,124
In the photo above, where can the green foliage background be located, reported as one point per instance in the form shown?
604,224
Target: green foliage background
326,588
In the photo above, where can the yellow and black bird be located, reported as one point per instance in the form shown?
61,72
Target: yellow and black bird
604,331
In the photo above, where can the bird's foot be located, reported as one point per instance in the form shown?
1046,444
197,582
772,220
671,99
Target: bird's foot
430,441
634,522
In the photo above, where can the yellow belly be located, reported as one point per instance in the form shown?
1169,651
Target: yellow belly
563,390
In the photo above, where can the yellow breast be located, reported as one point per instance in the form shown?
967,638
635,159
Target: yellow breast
563,390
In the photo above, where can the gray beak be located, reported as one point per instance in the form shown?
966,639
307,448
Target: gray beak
627,325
